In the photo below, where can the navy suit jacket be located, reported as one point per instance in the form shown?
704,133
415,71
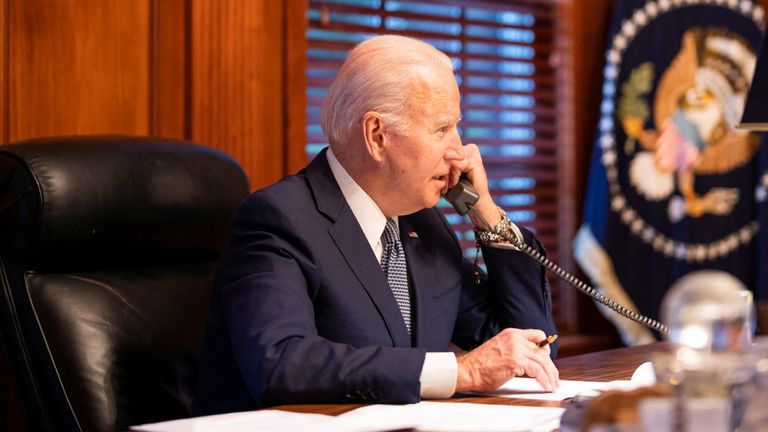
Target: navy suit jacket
302,313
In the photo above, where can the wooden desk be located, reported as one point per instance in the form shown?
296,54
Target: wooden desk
615,364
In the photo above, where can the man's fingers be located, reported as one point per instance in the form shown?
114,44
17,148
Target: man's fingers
535,370
546,349
542,359
453,178
513,352
454,175
472,165
534,335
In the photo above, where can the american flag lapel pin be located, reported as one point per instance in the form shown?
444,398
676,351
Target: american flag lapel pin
413,234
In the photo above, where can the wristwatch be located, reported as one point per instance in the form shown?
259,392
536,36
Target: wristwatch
497,234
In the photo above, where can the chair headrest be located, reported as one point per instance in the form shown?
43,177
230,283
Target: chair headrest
82,203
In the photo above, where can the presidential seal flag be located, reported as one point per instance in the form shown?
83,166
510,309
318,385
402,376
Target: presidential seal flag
674,187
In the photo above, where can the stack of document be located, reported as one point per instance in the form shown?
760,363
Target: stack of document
256,421
528,388
458,417
424,416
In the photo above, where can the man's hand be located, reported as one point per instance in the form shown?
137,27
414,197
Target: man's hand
511,353
472,166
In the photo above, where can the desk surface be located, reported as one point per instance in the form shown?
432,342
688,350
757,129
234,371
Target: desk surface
615,364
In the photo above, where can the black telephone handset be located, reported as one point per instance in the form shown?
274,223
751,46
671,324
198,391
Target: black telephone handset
463,197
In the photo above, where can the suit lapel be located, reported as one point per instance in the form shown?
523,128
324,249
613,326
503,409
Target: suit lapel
349,238
421,277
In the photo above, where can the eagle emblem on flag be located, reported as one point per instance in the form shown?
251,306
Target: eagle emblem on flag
698,102
675,187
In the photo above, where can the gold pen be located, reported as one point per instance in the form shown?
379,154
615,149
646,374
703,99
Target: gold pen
547,341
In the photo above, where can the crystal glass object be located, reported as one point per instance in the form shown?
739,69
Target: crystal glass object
755,414
709,311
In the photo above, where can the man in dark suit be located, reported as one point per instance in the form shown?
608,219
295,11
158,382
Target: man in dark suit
344,284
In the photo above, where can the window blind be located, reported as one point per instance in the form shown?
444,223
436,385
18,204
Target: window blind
500,51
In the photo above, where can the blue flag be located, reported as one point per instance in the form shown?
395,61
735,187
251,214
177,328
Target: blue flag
674,188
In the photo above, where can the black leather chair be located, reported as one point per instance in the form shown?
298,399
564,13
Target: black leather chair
107,253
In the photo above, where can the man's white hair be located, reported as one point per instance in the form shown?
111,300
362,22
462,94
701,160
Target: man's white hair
377,76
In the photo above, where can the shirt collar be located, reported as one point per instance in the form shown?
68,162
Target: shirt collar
367,213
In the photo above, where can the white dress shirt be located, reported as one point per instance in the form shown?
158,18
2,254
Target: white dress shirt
438,375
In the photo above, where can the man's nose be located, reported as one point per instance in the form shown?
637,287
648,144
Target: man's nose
455,150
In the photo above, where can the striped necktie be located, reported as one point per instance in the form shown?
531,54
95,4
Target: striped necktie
393,264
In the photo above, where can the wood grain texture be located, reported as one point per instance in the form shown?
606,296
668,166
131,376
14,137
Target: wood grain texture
78,67
237,88
582,26
3,71
169,73
610,365
567,213
213,71
295,87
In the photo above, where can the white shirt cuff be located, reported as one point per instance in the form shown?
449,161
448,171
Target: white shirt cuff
438,375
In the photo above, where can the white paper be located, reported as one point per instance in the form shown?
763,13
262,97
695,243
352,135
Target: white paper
423,416
457,417
528,388
644,375
258,421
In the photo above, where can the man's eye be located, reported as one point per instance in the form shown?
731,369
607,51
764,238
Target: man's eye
443,129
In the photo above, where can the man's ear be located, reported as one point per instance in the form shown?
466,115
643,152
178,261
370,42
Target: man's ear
373,133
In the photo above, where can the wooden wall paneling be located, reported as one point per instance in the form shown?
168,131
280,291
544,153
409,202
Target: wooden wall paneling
567,208
78,67
237,89
3,71
763,4
169,69
295,93
589,30
584,27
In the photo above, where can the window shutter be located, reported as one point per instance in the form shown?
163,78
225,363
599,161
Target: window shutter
500,52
